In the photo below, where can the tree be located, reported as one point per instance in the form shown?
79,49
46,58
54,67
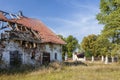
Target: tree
103,46
64,48
115,51
110,17
72,45
88,44
80,49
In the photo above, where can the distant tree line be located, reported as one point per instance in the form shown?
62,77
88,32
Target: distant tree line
107,44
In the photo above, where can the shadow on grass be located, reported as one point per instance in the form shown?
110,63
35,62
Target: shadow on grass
19,70
75,63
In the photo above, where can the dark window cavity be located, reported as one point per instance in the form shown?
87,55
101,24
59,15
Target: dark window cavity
33,55
56,56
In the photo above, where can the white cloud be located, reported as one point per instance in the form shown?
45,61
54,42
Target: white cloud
79,27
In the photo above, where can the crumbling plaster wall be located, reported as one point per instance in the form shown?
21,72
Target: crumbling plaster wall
26,53
10,46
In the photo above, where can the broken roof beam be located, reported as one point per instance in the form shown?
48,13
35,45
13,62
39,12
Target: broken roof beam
35,34
2,25
16,27
10,25
21,39
7,13
13,16
19,35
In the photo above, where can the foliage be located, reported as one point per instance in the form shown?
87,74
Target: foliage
110,17
103,46
80,49
115,50
88,54
88,44
70,46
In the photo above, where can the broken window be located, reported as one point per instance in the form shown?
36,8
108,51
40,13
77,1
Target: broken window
33,55
55,56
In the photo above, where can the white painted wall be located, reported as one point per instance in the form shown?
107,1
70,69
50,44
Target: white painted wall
26,54
55,49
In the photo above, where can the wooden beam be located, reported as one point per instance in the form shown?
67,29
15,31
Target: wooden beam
35,34
30,45
16,27
11,15
26,44
1,22
26,29
34,45
21,42
9,25
7,13
17,17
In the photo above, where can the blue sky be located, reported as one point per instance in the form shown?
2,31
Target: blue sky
65,17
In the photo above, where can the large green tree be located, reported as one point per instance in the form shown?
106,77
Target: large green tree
110,16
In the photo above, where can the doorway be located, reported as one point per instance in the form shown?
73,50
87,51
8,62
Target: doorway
46,58
15,58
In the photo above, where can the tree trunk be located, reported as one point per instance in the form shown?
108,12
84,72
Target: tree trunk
102,58
112,58
106,60
92,58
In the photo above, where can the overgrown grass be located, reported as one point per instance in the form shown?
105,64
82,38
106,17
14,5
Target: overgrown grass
68,71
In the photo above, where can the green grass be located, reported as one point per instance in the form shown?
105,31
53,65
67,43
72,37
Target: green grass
93,71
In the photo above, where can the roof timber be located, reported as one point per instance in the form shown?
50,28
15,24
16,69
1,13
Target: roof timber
12,16
34,26
23,36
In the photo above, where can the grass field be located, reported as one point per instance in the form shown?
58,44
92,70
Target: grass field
93,71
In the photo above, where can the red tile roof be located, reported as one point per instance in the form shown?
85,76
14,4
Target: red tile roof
46,35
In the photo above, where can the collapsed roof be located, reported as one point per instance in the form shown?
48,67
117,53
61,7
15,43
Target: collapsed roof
44,33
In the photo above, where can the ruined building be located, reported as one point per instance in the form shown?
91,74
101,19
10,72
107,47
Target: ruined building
26,40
